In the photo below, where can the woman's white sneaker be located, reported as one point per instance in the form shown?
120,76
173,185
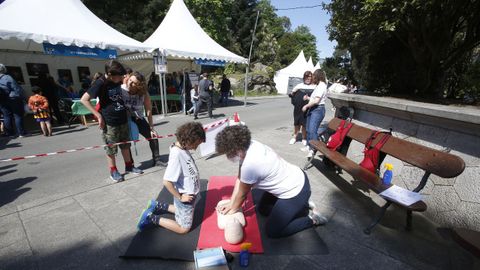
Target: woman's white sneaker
293,140
317,218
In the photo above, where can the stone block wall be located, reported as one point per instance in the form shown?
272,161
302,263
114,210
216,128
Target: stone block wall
452,202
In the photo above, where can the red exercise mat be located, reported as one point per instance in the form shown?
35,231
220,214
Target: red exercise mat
220,188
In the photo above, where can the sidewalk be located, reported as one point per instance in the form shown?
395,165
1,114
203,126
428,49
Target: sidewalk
91,229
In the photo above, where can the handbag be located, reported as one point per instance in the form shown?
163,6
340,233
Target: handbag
372,153
336,140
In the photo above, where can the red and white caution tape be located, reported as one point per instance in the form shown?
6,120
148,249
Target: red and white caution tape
207,127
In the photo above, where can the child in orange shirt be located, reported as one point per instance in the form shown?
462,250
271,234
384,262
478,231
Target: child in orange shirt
39,105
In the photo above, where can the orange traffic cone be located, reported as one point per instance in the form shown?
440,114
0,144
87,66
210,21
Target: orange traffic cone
236,118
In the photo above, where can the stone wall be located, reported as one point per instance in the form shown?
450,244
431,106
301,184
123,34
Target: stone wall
453,202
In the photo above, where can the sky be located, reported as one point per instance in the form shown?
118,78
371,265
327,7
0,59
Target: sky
316,19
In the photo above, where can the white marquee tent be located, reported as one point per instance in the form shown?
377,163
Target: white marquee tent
26,24
180,36
181,40
295,69
67,22
310,64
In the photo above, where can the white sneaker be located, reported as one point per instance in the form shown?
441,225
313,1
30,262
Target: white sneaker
304,142
310,154
311,205
305,149
317,218
293,140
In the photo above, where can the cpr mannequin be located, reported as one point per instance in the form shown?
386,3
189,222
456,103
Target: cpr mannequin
232,224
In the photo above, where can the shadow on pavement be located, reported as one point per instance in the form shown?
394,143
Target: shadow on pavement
10,190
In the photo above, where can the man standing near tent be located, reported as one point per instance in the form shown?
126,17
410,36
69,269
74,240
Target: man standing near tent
205,95
224,90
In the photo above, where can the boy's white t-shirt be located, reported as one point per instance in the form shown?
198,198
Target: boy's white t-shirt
182,171
321,92
267,171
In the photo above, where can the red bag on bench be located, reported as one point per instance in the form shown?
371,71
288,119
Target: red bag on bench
371,159
336,140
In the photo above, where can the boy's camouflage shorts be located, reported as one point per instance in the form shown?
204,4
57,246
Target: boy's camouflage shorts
115,134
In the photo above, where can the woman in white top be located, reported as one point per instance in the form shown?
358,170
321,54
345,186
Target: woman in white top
315,107
136,98
286,186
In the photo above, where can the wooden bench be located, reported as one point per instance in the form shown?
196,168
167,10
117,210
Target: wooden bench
430,160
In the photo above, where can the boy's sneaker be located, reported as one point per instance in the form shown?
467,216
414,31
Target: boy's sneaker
317,218
293,141
134,170
310,154
144,220
157,208
305,149
116,176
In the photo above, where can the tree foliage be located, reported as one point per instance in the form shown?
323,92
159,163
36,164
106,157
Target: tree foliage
229,22
406,46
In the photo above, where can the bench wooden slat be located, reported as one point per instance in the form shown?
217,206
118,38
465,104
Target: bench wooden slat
436,162
359,173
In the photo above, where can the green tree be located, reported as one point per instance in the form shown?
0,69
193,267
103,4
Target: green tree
291,43
405,45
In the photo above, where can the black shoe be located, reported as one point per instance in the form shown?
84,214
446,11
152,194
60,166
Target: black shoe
159,163
195,118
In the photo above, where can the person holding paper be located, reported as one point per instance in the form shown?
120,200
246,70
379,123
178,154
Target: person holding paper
286,186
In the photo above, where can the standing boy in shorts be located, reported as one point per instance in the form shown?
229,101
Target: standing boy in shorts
112,116
181,179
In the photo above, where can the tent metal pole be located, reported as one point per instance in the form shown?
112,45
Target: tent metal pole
184,94
164,100
249,56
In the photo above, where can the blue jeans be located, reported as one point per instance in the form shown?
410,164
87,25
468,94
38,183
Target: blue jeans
13,109
286,216
314,119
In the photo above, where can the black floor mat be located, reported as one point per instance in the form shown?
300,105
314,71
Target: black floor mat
306,242
159,243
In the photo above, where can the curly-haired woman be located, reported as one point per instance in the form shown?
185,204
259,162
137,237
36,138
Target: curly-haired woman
286,186
181,179
136,98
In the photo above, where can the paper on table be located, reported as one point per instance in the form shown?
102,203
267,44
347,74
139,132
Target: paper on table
401,195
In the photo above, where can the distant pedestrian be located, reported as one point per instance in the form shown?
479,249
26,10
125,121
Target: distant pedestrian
298,101
182,180
315,107
224,90
194,99
41,112
11,104
205,95
112,117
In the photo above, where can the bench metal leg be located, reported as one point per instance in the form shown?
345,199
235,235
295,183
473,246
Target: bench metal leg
409,220
369,229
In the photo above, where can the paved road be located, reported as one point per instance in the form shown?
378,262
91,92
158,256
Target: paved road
62,212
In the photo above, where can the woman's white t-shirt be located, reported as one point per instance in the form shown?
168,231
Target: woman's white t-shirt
134,103
265,170
321,92
182,171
